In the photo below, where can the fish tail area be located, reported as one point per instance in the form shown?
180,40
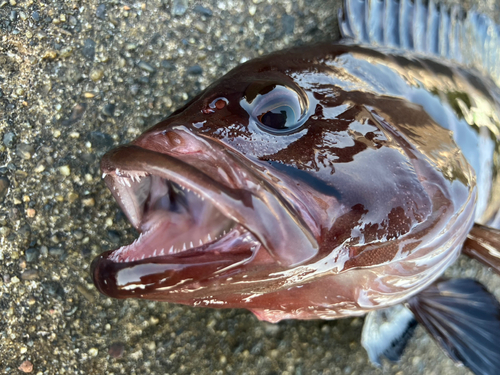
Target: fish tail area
426,28
483,244
464,318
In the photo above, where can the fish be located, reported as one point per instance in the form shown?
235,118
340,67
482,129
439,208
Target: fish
332,180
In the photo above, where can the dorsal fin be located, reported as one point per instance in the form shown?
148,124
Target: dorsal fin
470,39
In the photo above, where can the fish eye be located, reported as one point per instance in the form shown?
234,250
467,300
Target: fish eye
275,108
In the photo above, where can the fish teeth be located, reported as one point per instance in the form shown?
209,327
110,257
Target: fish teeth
154,254
201,242
162,252
127,182
209,238
184,247
142,256
171,249
104,175
126,260
191,244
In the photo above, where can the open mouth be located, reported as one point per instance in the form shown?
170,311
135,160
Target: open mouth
172,219
189,224
175,206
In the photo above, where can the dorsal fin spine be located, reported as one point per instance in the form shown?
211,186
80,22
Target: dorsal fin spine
471,39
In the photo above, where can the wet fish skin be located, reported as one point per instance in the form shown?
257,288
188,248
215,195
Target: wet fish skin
360,178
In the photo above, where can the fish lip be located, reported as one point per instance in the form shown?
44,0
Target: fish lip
254,204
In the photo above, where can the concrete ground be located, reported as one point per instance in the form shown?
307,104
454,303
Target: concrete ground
79,77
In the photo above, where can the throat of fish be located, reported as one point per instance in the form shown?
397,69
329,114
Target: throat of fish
173,219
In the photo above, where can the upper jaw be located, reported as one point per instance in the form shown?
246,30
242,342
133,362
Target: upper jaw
235,190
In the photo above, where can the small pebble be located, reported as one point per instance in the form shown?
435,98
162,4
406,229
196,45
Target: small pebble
4,187
49,55
89,202
203,11
39,168
31,255
93,352
146,67
194,70
101,12
109,110
26,366
114,236
78,234
65,170
66,52
200,26
116,350
36,16
8,139
44,250
88,49
96,74
25,150
134,89
167,65
30,275
179,7
56,251
72,197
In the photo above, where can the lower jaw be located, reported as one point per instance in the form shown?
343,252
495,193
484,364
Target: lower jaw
193,266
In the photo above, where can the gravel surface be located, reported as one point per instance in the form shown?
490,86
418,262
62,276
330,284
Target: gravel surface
79,77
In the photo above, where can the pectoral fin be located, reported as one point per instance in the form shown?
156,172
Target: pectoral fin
386,332
483,244
464,318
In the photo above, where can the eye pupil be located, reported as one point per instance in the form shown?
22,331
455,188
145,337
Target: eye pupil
274,120
275,108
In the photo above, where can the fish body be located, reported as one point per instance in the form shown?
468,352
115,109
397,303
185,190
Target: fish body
317,182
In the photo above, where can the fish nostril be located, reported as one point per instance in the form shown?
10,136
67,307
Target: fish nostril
174,139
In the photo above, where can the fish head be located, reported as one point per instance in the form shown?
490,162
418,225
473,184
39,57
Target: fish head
274,168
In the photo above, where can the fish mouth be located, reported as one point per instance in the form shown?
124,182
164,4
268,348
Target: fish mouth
183,219
172,218
193,225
